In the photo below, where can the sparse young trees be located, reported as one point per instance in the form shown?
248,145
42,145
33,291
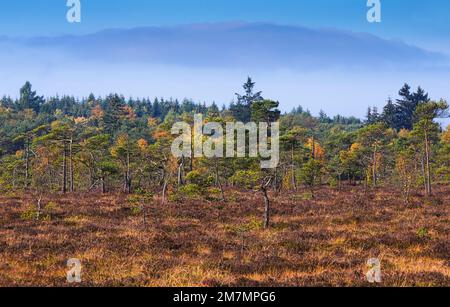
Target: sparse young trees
443,164
124,150
426,129
374,138
293,142
65,144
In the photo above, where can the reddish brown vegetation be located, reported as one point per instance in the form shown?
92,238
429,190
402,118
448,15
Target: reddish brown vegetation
322,242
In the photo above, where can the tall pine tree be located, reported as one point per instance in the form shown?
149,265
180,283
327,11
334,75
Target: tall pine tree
242,110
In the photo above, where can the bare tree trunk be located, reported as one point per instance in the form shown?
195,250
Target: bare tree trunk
294,183
422,166
266,209
428,167
128,175
71,166
219,182
144,216
164,191
14,178
180,172
39,208
27,164
64,183
103,185
374,167
279,183
191,160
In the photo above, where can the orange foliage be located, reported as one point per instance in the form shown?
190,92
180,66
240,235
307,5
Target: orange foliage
97,112
152,122
319,152
142,145
446,135
129,112
404,133
355,147
80,120
160,134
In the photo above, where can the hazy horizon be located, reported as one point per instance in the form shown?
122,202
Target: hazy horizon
317,54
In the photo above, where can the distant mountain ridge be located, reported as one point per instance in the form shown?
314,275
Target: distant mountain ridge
238,44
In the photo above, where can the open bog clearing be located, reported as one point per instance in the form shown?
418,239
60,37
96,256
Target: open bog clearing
322,242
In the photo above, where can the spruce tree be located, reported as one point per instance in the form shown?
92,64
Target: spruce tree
242,109
389,116
113,114
28,98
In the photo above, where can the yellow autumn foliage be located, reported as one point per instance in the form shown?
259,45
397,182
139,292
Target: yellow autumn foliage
142,145
446,135
319,152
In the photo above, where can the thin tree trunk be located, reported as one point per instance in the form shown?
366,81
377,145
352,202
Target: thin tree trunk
164,192
428,167
422,170
27,163
71,167
144,216
294,183
266,209
128,175
219,182
374,167
191,160
103,185
14,178
180,172
39,208
64,183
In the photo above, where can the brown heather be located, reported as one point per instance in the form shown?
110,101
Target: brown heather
322,242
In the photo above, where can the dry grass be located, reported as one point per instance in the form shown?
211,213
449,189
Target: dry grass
322,242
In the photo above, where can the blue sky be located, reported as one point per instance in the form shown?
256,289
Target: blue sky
339,89
417,21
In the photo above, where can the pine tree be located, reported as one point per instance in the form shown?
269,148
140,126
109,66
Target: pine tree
407,105
426,129
28,98
242,109
369,115
389,116
265,111
113,114
323,117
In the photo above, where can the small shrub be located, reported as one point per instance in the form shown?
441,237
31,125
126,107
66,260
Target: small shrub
140,196
192,191
32,213
29,214
246,179
136,210
50,210
423,233
213,194
199,179
175,197
307,196
333,182
252,225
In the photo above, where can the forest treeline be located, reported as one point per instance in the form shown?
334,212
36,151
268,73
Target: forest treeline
113,143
